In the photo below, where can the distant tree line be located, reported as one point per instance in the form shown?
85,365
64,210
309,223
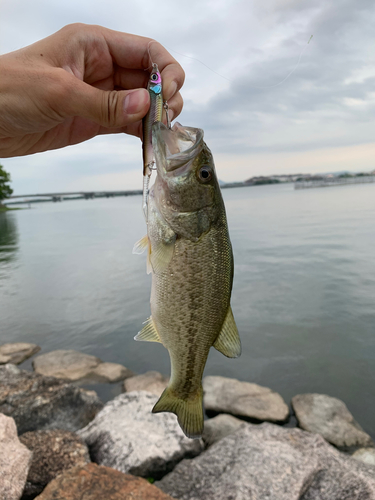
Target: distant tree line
259,182
5,189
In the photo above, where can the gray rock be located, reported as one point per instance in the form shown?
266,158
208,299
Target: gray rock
126,436
366,455
152,381
219,427
228,395
36,402
15,460
54,451
110,373
17,352
73,366
330,418
271,462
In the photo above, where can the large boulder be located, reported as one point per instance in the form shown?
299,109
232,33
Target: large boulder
151,381
36,402
366,455
15,460
76,366
125,435
17,352
330,418
271,462
94,482
54,451
243,399
219,427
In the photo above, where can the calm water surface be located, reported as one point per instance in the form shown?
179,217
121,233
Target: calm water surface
303,296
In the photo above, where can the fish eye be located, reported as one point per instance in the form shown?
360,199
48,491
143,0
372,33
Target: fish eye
205,174
154,76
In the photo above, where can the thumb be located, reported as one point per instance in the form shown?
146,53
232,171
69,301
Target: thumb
108,108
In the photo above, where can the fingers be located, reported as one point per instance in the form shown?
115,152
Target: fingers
129,79
175,105
99,52
136,52
135,128
108,108
108,59
172,74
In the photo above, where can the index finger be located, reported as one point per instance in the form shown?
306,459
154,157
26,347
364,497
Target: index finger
138,52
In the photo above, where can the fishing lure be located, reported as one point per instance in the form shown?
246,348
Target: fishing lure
154,114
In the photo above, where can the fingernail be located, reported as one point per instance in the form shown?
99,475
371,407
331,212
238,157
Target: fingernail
172,89
135,101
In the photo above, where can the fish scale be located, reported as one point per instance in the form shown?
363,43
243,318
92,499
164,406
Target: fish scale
206,300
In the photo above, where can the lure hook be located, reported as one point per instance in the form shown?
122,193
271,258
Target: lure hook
166,107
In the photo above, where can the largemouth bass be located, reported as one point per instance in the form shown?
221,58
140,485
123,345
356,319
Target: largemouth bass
190,256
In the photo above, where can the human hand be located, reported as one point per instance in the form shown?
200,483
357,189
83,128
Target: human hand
78,83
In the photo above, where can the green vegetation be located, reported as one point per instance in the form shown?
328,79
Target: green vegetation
4,208
5,189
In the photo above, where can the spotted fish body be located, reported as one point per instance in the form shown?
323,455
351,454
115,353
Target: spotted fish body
190,256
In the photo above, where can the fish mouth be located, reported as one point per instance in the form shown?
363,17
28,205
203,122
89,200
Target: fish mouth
175,147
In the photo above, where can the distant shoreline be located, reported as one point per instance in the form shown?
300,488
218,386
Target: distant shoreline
7,209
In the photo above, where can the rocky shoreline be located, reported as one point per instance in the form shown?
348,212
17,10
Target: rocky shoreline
58,440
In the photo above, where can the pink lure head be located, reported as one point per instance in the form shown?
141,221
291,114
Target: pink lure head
155,78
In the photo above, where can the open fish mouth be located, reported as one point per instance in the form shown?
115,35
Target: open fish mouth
177,146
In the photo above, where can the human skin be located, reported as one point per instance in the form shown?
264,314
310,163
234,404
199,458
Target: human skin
78,83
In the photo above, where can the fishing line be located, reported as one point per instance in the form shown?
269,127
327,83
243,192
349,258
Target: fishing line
149,55
293,70
228,79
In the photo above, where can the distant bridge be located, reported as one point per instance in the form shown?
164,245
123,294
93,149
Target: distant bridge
59,196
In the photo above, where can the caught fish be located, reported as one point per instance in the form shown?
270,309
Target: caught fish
154,114
190,257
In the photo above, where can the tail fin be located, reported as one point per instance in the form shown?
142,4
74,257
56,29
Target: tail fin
189,412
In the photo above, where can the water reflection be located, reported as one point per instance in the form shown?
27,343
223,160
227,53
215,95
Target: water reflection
8,240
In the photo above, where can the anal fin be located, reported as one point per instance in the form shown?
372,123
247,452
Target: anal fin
228,341
148,332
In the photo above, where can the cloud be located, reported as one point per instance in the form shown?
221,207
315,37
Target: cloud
326,107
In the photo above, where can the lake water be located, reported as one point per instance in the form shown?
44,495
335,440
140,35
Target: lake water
303,295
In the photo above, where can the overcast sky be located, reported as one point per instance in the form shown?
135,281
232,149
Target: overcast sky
320,119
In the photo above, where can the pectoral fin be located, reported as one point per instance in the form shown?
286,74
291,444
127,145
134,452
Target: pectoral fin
228,341
140,246
148,332
161,255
